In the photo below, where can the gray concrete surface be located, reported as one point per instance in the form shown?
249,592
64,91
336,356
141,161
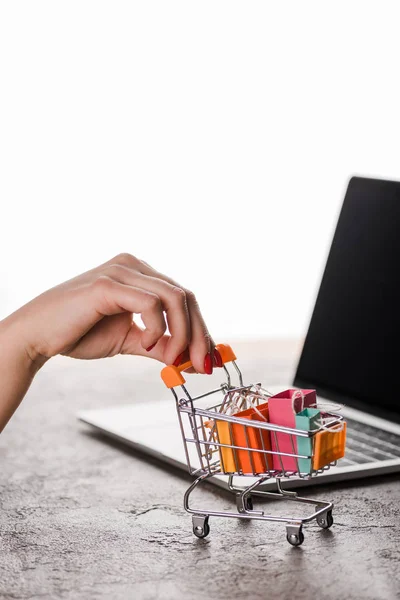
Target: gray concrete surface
82,518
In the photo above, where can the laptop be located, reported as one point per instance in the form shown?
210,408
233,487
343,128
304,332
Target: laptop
351,353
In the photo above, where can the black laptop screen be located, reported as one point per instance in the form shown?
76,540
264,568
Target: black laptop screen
352,348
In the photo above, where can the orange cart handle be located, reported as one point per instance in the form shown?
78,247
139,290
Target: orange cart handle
172,376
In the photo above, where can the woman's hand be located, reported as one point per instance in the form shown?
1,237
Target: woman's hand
90,316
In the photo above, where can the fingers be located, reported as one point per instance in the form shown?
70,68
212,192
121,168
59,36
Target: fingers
201,346
174,303
113,297
199,341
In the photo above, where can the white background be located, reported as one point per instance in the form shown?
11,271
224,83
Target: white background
213,139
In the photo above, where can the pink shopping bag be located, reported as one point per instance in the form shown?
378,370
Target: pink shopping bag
283,408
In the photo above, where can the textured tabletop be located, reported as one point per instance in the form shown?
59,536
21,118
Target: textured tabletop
84,518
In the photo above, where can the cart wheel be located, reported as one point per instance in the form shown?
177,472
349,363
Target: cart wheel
295,539
325,520
201,528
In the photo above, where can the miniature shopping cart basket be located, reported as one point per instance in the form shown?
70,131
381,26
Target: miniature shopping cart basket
240,436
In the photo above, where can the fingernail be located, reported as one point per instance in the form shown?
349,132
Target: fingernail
150,347
178,360
208,366
217,359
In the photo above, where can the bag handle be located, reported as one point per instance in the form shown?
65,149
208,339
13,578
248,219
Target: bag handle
172,376
296,395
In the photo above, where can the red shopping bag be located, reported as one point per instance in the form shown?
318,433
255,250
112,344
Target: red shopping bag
283,408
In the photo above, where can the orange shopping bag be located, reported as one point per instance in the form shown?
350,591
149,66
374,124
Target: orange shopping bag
329,445
233,434
228,464
253,462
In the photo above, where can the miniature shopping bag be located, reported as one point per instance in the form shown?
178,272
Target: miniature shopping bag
283,408
224,437
329,445
248,438
308,419
253,438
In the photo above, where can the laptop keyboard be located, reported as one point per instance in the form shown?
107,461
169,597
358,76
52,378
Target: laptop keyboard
365,444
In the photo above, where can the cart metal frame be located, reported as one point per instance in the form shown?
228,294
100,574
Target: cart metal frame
199,433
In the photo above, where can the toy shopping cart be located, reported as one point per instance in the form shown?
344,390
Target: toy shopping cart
237,437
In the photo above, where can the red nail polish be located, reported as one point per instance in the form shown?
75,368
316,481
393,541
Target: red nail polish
150,347
208,366
217,359
178,360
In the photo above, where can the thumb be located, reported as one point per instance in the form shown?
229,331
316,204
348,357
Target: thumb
133,345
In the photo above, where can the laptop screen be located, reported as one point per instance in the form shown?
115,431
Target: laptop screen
352,348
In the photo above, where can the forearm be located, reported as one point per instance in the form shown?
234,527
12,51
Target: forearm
17,370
